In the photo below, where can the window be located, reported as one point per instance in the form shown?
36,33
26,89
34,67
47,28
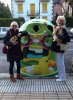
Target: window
20,7
32,9
4,29
44,7
68,8
0,29
32,17
44,17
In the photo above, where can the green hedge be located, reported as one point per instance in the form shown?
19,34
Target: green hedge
69,21
5,22
53,22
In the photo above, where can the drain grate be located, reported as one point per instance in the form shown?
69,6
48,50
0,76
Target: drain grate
36,85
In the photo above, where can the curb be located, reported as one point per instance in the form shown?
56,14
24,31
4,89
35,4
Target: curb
5,75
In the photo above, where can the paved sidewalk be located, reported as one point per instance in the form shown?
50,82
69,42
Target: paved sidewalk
37,96
36,89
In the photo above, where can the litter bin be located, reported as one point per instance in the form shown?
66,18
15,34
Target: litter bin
39,60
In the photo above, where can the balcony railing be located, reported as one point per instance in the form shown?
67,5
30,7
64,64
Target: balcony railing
44,0
20,0
32,13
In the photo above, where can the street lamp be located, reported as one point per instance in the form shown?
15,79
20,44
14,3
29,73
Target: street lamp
39,8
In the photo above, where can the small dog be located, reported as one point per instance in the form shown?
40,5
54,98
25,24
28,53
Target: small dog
14,40
56,31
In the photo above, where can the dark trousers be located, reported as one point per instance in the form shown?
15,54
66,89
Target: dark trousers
12,66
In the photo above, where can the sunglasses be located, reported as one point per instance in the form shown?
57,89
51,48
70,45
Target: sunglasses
14,26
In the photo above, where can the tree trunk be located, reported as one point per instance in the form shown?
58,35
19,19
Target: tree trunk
72,11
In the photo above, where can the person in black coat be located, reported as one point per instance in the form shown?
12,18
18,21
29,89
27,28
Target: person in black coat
60,40
14,53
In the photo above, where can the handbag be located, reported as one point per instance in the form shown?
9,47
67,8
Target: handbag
5,49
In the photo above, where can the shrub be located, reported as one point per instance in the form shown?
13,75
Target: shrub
5,22
69,21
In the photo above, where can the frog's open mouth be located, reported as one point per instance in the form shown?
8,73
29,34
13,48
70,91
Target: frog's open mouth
37,48
34,52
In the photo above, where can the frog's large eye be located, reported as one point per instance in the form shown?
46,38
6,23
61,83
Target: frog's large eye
36,28
46,41
25,40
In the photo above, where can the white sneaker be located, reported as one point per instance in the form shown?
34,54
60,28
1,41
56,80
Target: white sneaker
59,80
56,76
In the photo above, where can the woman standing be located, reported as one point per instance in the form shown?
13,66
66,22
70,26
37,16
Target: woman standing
14,53
60,39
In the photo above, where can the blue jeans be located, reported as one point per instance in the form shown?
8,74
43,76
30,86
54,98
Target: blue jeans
12,66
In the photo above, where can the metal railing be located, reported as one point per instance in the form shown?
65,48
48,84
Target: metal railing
44,0
20,0
29,13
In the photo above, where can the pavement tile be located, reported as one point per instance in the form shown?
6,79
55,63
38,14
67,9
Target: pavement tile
50,93
36,94
13,97
0,97
8,99
21,97
1,94
23,94
72,93
10,94
64,92
64,95
61,95
71,99
51,99
37,99
65,99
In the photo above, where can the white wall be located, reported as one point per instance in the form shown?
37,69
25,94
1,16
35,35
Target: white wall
49,10
26,7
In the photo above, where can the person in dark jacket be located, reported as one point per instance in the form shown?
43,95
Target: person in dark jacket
60,39
14,53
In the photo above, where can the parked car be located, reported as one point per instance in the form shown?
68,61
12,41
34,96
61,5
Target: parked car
71,32
3,31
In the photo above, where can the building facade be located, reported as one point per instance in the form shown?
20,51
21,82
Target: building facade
30,9
57,8
66,8
60,7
